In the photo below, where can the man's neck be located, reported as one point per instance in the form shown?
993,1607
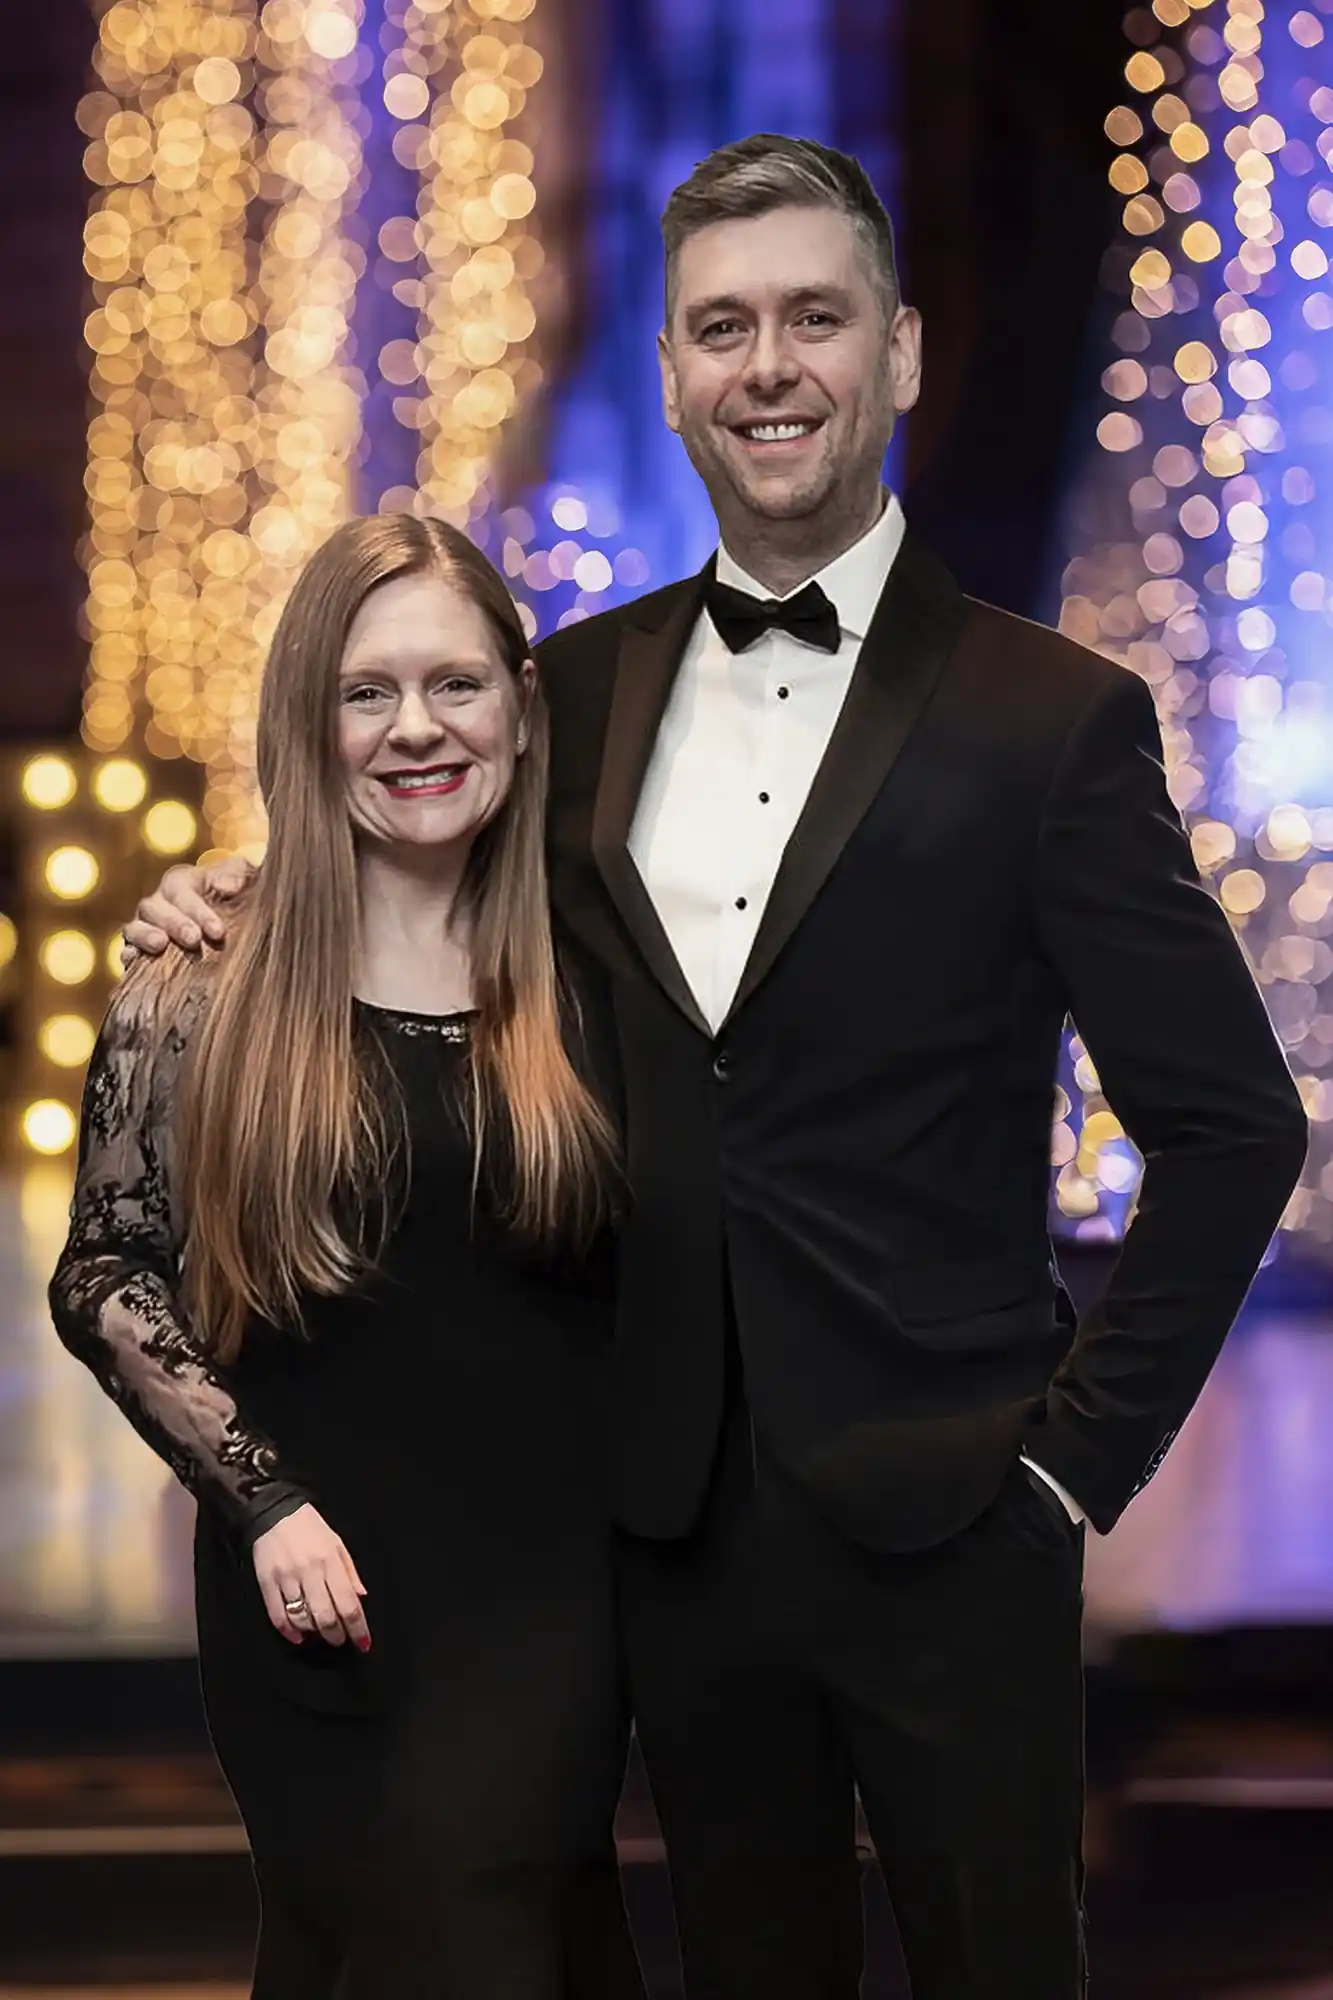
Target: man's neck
782,555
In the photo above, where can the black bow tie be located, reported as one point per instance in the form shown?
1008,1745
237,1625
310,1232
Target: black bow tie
741,619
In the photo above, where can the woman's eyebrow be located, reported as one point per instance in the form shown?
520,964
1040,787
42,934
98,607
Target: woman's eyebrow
375,663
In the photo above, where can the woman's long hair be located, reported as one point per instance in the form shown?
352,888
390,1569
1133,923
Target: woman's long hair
286,1131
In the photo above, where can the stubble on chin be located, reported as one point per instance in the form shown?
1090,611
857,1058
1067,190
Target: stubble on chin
730,489
734,494
783,501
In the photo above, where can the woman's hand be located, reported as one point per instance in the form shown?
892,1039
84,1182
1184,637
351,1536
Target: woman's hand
309,1581
182,909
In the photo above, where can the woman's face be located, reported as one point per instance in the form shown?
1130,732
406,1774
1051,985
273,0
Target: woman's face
430,719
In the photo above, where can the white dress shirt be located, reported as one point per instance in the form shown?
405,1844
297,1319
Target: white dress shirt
736,755
737,750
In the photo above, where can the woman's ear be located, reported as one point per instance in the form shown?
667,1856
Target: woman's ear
527,688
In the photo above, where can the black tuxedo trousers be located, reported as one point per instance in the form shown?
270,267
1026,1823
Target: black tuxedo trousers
778,1668
839,1324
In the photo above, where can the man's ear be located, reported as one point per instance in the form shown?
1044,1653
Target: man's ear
905,357
670,385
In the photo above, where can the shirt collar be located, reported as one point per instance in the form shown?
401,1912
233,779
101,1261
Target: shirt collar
854,582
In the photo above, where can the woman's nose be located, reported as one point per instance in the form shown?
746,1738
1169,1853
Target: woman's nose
415,723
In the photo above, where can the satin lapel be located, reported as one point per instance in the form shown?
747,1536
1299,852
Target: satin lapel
647,667
911,636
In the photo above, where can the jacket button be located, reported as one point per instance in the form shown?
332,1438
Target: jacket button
721,1065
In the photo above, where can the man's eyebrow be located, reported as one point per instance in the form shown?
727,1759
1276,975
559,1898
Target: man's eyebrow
723,302
809,295
803,295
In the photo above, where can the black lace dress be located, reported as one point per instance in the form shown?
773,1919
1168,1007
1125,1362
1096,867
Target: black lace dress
432,1818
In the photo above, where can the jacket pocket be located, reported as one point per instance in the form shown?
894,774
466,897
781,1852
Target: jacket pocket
967,1305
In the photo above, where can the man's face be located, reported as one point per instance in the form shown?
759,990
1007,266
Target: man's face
778,368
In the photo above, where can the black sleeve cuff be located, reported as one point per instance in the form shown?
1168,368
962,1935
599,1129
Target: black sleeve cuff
269,1507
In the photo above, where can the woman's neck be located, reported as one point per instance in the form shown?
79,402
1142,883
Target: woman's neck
415,944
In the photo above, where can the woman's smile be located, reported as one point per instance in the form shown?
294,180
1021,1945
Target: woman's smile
433,782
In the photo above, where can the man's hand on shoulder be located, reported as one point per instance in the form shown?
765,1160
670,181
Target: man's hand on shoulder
183,909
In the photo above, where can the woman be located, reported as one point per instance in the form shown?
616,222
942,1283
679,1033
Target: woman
338,1250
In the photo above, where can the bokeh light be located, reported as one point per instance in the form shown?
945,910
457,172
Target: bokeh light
71,872
1202,547
169,827
68,957
49,782
120,784
66,1040
48,1126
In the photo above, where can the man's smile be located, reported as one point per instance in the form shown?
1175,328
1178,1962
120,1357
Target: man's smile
776,430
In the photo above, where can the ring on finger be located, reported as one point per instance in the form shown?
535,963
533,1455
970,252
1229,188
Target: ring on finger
297,1610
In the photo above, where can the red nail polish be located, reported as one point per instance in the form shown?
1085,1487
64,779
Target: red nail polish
363,1645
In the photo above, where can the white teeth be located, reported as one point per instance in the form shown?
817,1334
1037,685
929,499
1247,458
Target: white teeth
416,780
777,433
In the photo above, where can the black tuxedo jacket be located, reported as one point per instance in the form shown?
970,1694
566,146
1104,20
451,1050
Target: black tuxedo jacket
861,1154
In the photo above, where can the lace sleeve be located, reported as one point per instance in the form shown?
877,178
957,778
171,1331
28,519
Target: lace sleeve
114,1296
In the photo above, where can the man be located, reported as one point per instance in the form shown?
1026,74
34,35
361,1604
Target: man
849,848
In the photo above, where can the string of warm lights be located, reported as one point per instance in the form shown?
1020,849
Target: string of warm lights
166,249
219,454
301,428
87,825
224,153
1205,561
459,79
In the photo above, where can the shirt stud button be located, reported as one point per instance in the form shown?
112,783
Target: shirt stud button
763,798
783,693
740,902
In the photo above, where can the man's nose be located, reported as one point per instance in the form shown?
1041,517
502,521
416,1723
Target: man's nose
771,362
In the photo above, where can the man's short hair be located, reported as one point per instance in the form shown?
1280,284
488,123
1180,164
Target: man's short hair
768,171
